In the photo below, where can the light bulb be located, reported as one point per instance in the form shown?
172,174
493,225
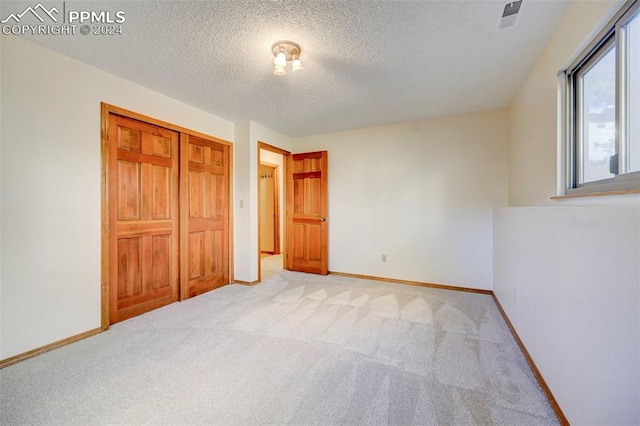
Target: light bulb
296,65
279,70
280,60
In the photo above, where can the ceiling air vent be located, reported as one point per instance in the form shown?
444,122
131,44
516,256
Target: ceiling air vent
509,14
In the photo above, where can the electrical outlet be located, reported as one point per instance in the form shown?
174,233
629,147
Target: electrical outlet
515,295
383,258
242,204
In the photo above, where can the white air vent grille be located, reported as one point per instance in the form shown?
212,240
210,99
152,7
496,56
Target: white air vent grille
509,14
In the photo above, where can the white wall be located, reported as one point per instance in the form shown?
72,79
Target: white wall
248,134
242,199
576,269
576,273
277,159
50,194
422,193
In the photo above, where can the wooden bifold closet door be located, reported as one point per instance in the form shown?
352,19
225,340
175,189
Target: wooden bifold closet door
168,204
205,213
143,207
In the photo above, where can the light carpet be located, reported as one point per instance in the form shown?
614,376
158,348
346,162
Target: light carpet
295,349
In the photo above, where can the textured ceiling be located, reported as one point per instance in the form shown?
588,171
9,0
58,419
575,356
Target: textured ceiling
366,62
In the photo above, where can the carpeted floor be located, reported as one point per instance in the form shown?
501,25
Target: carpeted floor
270,266
296,349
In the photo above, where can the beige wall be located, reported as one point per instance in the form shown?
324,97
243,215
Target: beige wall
422,193
532,115
247,136
50,195
575,270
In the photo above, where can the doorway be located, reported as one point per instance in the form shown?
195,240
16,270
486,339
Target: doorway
269,209
271,196
302,220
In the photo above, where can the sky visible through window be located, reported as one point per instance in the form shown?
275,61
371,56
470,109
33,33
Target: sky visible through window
633,38
599,123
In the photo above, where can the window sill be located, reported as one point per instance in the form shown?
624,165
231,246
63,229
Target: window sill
597,194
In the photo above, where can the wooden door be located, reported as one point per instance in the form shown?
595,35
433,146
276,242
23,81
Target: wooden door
143,217
205,206
307,213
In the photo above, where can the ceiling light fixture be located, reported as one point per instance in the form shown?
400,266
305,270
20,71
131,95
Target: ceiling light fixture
286,51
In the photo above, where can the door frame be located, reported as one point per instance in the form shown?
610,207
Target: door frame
105,110
285,155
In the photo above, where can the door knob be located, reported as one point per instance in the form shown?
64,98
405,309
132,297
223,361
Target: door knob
324,219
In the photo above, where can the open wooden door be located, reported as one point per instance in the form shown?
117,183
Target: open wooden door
205,174
307,248
143,217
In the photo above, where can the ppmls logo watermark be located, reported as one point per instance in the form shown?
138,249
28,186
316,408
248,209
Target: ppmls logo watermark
57,20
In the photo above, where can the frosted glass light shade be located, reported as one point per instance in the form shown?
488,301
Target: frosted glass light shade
279,70
280,60
296,65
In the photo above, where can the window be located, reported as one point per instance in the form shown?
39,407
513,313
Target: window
600,107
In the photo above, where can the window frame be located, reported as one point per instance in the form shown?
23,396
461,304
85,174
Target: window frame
569,108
